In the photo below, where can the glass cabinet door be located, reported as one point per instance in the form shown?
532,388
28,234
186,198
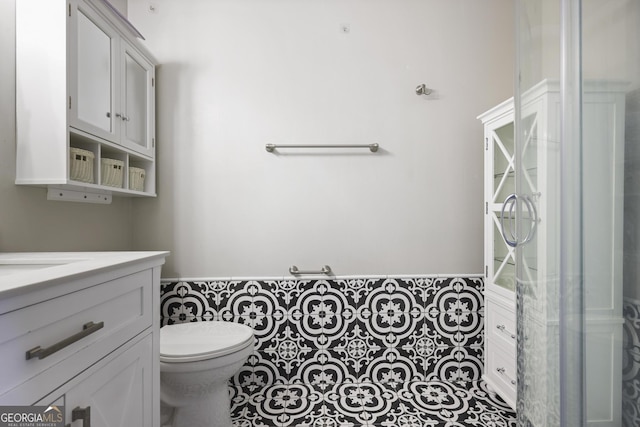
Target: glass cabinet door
529,191
137,95
94,84
501,141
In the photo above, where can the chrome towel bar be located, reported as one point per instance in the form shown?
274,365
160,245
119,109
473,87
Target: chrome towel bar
372,147
324,270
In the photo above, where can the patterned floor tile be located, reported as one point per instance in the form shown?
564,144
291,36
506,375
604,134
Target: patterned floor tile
379,400
393,367
326,414
413,404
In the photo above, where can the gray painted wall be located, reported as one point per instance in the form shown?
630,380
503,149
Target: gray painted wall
28,222
236,75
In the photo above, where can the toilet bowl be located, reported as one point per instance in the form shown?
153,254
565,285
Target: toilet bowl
196,361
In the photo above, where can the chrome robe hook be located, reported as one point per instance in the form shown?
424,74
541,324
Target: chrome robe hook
422,89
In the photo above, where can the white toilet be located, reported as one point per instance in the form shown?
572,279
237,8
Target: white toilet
196,361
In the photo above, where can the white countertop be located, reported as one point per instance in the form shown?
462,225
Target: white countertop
24,271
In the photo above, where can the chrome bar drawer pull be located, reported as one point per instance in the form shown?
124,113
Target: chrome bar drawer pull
503,329
502,371
87,329
83,414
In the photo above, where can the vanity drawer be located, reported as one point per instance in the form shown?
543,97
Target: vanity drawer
500,371
501,324
73,331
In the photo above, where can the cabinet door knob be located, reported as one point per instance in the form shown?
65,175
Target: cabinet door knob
83,414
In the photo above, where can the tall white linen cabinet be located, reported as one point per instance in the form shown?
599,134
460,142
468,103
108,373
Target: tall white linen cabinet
538,194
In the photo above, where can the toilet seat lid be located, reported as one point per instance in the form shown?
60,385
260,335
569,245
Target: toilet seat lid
190,342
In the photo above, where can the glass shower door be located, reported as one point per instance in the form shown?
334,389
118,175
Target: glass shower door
577,67
537,143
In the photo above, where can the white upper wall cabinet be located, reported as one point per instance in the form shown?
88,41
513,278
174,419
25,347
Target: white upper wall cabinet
110,84
85,101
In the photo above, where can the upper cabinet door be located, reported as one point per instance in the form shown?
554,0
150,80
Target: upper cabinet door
137,94
92,88
111,93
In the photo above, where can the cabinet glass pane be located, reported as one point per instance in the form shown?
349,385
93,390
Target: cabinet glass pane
136,101
530,258
530,189
94,74
530,155
503,172
504,270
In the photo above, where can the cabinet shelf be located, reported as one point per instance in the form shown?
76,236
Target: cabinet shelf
78,135
512,263
500,260
106,150
512,174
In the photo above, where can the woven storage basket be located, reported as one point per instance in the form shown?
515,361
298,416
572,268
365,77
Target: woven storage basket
111,172
136,179
81,164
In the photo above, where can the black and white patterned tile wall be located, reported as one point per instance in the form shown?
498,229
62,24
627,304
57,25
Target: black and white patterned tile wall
385,330
631,364
346,352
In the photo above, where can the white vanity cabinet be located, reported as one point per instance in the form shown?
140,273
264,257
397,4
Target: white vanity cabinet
84,334
84,82
114,392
